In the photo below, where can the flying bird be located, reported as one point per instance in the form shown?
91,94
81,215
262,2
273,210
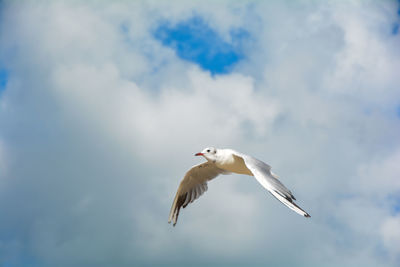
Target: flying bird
225,161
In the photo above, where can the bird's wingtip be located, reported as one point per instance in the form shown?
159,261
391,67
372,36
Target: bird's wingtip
173,223
307,215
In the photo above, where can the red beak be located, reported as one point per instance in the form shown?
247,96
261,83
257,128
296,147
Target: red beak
198,154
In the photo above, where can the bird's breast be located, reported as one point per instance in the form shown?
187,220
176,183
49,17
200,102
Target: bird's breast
234,164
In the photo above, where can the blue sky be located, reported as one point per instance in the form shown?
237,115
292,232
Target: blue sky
3,79
395,29
103,105
195,41
396,24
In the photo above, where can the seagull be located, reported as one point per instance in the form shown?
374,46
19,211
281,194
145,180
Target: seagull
226,161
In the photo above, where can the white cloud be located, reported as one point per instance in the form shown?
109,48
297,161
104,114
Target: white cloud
390,231
101,121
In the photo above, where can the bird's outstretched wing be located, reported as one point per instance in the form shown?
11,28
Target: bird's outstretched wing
192,186
262,173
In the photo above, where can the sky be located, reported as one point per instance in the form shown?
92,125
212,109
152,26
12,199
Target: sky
103,105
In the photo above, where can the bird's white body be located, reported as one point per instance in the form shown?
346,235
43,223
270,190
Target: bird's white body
224,161
229,162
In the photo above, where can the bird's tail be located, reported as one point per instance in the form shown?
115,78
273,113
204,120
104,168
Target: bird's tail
289,202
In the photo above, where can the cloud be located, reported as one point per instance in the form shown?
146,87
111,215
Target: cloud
100,120
391,235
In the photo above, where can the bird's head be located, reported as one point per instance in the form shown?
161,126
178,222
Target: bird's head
209,153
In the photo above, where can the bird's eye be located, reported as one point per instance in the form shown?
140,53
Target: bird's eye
208,150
